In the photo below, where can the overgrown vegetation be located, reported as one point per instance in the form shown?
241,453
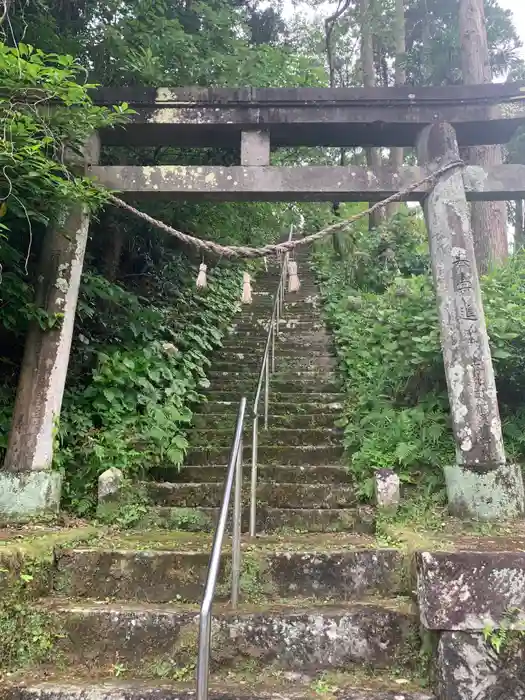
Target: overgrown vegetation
143,333
380,304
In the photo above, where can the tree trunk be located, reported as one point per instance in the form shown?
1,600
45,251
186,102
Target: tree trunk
519,226
397,154
489,219
373,155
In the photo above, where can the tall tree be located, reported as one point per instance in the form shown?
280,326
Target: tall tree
489,219
373,155
396,154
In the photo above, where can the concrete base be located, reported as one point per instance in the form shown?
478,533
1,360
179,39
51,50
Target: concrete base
28,495
494,495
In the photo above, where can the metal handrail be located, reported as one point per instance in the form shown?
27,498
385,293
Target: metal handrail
267,367
233,482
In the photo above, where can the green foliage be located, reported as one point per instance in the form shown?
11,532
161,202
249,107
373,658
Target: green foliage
129,508
28,633
380,304
500,638
148,370
37,183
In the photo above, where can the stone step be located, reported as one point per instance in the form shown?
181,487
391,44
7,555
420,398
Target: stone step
289,475
293,685
319,363
306,309
164,575
273,495
276,398
355,520
280,374
290,344
271,454
286,325
306,407
282,355
248,385
291,636
256,337
261,329
226,421
274,436
304,317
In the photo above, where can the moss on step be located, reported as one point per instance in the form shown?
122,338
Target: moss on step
245,679
29,634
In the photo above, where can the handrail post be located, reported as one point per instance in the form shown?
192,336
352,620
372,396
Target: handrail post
236,530
266,391
253,482
204,646
273,331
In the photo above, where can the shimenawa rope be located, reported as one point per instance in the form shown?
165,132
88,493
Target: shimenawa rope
247,252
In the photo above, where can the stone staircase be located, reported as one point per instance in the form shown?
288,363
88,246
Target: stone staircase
325,612
303,484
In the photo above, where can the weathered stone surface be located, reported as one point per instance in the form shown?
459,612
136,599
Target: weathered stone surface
387,489
261,182
498,490
27,495
481,486
320,398
115,690
345,575
468,590
290,475
468,669
387,116
207,421
154,576
295,495
43,372
255,148
304,454
248,386
159,576
305,405
110,485
275,436
361,519
320,637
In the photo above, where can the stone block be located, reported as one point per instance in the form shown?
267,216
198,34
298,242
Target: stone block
468,668
110,484
468,590
28,495
493,495
387,489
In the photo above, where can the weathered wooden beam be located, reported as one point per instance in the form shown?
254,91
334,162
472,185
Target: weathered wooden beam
481,484
315,183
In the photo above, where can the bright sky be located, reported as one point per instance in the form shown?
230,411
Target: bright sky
517,8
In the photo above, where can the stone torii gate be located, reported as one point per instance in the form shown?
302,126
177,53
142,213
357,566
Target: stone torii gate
437,121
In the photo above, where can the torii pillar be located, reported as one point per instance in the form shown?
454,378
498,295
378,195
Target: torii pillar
481,485
29,487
